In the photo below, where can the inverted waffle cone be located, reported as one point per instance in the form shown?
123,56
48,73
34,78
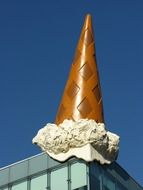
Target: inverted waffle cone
82,95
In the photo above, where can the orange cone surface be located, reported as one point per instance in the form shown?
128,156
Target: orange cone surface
82,96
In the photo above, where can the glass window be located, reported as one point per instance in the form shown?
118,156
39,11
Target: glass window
4,188
59,179
18,171
109,182
39,183
94,182
95,176
82,188
4,176
119,186
38,164
78,175
20,186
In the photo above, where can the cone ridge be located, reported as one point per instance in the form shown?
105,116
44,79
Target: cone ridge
82,95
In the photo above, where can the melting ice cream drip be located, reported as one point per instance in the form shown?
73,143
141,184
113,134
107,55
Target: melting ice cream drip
75,138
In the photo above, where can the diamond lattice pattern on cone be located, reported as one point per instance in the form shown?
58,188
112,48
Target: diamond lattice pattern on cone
82,95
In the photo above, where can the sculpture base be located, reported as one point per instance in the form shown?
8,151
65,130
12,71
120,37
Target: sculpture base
87,153
84,139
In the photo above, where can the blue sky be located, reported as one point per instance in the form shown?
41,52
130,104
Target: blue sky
37,44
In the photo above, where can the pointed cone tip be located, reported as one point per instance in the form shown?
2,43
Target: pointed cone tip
88,17
88,21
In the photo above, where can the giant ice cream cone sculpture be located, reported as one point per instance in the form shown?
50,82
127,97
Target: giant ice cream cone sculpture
82,95
80,130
